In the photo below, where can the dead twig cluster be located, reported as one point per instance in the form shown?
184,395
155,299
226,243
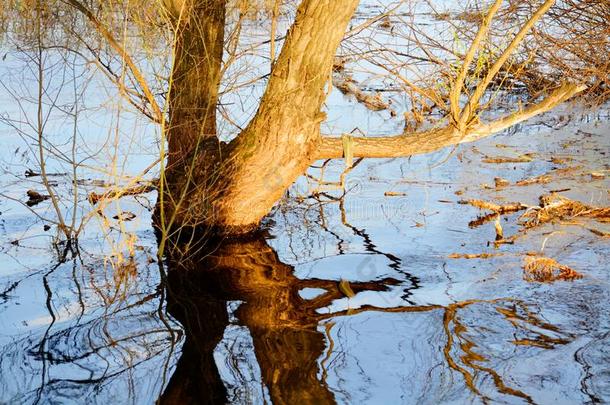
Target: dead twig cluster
554,207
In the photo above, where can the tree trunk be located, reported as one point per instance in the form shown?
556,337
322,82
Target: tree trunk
195,77
232,187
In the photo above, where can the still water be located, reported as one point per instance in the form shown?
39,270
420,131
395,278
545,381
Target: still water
354,294
337,300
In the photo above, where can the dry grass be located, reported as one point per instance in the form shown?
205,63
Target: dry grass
554,208
545,269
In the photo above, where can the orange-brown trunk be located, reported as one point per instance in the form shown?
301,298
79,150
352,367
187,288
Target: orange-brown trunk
232,187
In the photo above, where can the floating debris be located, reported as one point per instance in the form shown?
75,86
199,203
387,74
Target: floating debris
394,194
474,255
32,173
125,216
115,193
561,160
35,198
500,182
482,220
598,176
554,207
348,86
599,233
545,269
500,209
548,177
542,179
524,158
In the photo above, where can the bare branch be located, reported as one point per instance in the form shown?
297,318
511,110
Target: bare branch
432,140
137,74
456,89
469,110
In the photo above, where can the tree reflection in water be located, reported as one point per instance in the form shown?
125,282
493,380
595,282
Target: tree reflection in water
285,327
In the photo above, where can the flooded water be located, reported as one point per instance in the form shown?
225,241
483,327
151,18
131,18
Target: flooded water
390,289
345,300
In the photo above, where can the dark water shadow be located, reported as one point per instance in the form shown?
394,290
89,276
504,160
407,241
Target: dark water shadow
283,325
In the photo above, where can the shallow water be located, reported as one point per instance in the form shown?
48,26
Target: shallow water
265,319
270,319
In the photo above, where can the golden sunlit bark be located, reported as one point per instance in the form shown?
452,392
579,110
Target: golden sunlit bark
429,141
236,185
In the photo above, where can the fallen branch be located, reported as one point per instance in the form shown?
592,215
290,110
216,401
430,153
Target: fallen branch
474,255
350,87
542,179
116,193
499,209
525,158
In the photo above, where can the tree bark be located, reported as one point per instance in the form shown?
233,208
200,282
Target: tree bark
195,79
232,187
432,140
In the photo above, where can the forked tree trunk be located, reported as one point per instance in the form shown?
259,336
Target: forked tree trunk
281,141
234,186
